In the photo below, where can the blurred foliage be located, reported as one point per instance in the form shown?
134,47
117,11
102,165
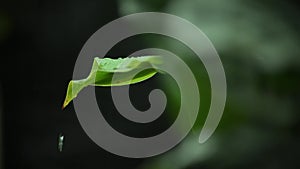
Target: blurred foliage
258,45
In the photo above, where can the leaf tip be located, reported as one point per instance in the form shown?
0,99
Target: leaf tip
64,105
67,100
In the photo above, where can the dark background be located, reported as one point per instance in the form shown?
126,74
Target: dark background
40,41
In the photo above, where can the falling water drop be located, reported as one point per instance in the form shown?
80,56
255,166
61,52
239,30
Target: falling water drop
60,142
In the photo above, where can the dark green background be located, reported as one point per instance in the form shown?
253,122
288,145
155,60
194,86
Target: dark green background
258,43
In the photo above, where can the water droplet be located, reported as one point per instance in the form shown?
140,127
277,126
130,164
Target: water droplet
60,142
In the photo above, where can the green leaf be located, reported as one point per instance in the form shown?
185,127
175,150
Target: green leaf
122,69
